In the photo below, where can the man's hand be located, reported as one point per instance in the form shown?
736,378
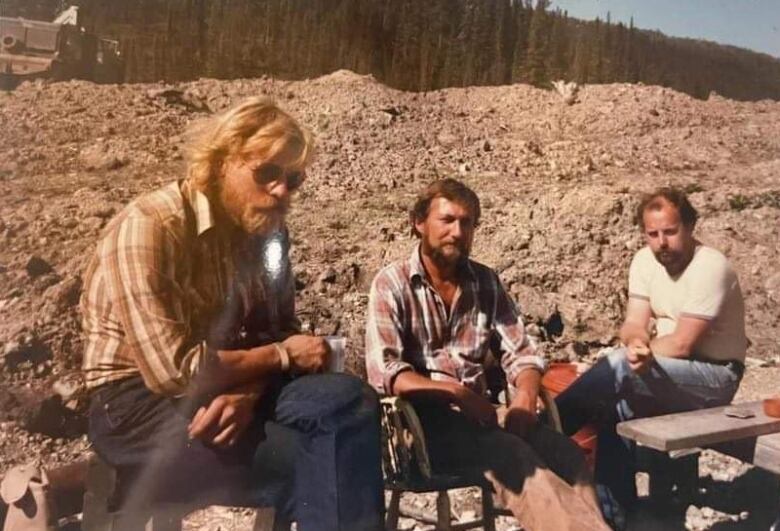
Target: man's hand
639,356
521,417
475,407
308,354
225,418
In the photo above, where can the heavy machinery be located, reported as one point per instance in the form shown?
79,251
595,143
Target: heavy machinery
59,50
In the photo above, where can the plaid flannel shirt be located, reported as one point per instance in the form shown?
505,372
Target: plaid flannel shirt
166,285
409,328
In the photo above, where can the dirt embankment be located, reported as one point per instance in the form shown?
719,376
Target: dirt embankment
558,184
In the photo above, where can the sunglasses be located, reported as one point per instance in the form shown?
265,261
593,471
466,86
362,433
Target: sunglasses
268,173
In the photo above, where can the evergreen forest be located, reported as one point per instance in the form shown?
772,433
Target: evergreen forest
409,44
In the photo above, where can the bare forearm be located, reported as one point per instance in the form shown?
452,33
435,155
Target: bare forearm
527,390
411,384
670,347
475,407
256,388
229,369
521,415
632,332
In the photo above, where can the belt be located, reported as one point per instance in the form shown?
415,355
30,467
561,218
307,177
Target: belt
115,386
736,366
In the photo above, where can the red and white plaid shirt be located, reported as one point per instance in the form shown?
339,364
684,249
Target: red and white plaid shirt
409,328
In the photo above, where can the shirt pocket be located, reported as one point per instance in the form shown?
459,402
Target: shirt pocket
473,340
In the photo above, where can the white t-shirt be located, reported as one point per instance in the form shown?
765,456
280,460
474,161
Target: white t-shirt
707,289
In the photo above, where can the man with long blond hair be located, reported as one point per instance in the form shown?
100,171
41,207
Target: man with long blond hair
203,389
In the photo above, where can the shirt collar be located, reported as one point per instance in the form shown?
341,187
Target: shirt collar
201,208
416,268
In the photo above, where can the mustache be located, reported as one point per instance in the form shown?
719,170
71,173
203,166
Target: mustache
456,243
662,256
271,203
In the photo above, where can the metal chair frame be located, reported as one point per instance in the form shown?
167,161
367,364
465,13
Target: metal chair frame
407,467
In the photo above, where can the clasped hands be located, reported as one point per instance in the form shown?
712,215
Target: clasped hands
519,418
639,356
222,421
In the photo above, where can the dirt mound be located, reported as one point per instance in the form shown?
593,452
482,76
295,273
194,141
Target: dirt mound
559,185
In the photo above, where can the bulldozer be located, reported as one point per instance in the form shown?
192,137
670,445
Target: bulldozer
58,50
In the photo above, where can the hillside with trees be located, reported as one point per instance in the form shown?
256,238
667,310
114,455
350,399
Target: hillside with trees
410,44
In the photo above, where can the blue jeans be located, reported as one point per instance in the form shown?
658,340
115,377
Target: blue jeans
313,451
610,392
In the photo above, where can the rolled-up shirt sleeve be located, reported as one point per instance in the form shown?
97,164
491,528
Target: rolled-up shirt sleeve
384,336
518,350
140,257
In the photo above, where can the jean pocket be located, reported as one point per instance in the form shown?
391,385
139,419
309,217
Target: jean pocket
115,416
123,403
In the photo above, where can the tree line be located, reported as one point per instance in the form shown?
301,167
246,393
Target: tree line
412,45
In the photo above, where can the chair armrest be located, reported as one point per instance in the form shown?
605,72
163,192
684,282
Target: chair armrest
403,441
404,448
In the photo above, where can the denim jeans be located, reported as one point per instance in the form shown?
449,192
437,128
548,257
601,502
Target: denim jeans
313,451
610,392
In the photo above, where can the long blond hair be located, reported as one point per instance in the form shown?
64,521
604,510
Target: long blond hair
256,126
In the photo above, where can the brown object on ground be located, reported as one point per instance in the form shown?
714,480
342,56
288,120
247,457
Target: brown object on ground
772,407
63,487
545,495
66,488
25,488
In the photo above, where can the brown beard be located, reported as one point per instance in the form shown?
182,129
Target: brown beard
259,218
442,259
674,262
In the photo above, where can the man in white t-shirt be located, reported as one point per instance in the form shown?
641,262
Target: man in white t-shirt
684,337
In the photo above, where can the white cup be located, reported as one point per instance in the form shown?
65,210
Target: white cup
338,346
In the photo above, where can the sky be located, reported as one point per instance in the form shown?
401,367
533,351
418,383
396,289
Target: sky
752,24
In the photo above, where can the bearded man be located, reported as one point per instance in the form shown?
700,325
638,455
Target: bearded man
202,386
436,323
684,337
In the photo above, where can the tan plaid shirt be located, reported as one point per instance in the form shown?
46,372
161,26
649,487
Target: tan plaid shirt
410,329
166,284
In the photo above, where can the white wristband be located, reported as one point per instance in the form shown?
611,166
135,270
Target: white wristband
284,356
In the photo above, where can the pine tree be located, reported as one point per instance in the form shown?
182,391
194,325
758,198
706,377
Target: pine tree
582,56
557,60
536,72
522,23
409,44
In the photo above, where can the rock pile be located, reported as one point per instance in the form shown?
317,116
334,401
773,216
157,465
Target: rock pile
559,183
